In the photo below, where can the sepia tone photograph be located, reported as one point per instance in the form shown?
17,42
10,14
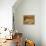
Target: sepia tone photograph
29,19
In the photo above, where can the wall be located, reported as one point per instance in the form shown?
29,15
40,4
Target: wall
6,16
29,7
6,13
43,22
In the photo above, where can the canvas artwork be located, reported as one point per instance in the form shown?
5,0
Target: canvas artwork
29,19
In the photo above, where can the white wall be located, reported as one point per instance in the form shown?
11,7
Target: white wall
39,28
29,7
6,13
43,22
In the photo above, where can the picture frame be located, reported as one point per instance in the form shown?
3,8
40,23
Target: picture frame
29,19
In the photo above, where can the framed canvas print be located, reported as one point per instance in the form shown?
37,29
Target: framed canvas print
29,19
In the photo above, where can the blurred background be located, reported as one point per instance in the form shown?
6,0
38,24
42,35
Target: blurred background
36,32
